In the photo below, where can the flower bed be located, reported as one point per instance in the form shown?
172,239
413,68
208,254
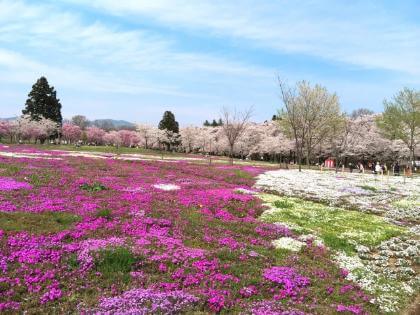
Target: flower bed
381,257
127,246
396,198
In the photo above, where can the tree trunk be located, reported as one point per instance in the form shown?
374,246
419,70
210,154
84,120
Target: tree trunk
300,160
412,159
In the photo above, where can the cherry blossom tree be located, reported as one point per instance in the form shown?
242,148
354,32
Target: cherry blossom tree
365,142
71,132
189,136
7,129
95,135
112,138
234,126
29,129
272,142
128,138
148,135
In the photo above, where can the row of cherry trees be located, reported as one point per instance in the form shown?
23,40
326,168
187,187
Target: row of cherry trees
359,140
27,129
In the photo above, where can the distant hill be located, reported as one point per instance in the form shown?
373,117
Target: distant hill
110,124
116,123
9,118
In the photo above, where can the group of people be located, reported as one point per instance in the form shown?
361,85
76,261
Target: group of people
379,168
376,168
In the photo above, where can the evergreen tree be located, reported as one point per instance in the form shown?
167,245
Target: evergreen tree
206,123
43,102
274,117
171,126
214,123
220,122
169,123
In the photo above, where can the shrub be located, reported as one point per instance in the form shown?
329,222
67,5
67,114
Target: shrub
283,204
104,213
93,187
111,260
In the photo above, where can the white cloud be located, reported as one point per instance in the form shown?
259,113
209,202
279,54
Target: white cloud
357,33
67,36
89,56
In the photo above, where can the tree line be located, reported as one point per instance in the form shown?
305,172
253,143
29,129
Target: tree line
309,126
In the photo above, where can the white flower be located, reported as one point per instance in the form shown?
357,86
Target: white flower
397,198
288,243
316,240
166,187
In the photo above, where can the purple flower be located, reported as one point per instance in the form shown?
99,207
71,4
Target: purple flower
11,184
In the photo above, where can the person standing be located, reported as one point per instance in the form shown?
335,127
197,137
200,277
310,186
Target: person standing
378,168
397,169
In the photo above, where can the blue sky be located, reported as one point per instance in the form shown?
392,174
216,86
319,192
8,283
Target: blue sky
132,60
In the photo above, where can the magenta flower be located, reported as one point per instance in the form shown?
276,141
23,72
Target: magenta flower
11,184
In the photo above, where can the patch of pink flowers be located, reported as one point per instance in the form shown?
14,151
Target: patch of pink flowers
11,184
289,279
200,248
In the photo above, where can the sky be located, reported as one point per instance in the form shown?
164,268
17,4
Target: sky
134,59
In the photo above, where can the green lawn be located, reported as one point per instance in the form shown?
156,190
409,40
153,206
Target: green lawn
38,223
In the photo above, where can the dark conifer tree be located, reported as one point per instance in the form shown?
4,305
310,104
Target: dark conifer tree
168,122
43,102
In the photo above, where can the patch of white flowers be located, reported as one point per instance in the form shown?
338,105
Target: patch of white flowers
29,155
388,294
395,197
166,187
288,243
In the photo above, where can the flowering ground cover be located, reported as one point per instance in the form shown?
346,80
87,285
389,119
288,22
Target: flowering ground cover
394,197
122,153
379,255
106,236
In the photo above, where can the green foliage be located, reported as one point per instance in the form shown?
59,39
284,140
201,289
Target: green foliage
43,102
39,223
104,213
284,204
40,179
72,261
113,260
171,126
338,228
168,122
243,174
370,188
214,123
9,170
334,241
401,118
93,187
309,114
